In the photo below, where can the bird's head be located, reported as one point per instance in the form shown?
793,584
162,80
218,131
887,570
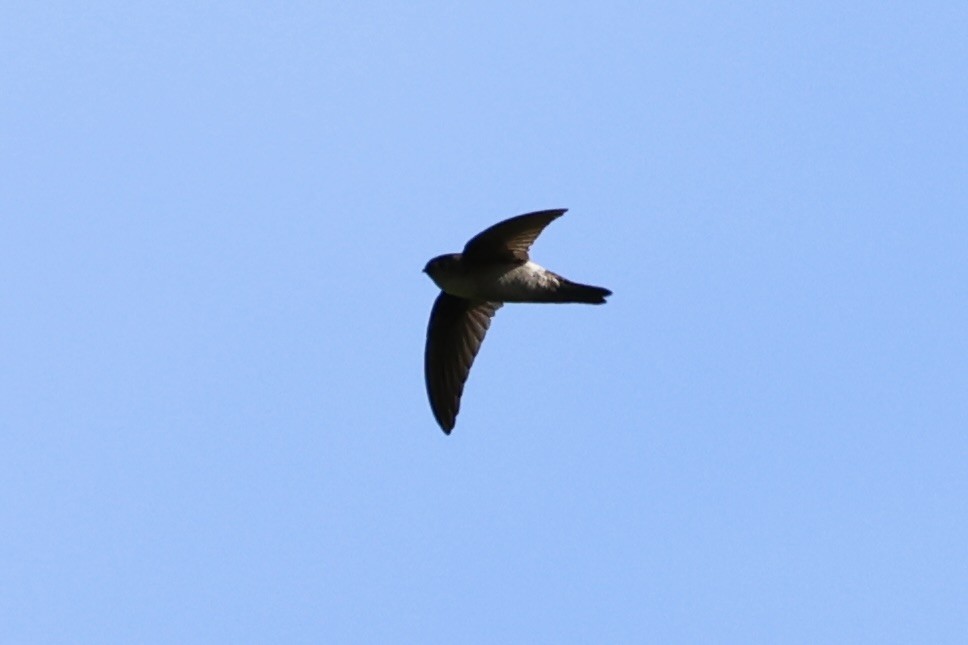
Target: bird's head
442,266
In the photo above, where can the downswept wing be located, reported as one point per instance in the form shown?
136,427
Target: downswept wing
454,335
510,240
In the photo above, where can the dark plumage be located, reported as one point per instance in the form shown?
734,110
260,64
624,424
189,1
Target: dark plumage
493,268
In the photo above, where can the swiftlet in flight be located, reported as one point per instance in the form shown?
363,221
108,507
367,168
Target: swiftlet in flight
494,268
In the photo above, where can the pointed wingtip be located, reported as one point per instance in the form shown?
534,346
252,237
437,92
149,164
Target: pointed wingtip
552,212
445,422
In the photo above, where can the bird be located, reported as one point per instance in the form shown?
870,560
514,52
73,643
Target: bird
494,268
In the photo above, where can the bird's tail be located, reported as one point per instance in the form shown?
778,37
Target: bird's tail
569,291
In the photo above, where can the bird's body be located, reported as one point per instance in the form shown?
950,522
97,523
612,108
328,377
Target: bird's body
505,282
494,268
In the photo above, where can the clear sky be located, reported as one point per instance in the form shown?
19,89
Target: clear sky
213,218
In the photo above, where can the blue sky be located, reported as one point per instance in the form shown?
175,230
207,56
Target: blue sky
214,217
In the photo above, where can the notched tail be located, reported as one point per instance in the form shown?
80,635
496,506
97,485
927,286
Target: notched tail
569,291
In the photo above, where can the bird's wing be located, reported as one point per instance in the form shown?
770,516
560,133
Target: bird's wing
509,240
457,327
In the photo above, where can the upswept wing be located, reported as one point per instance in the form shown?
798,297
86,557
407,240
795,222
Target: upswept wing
509,240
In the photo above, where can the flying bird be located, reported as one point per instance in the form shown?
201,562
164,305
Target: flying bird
494,268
